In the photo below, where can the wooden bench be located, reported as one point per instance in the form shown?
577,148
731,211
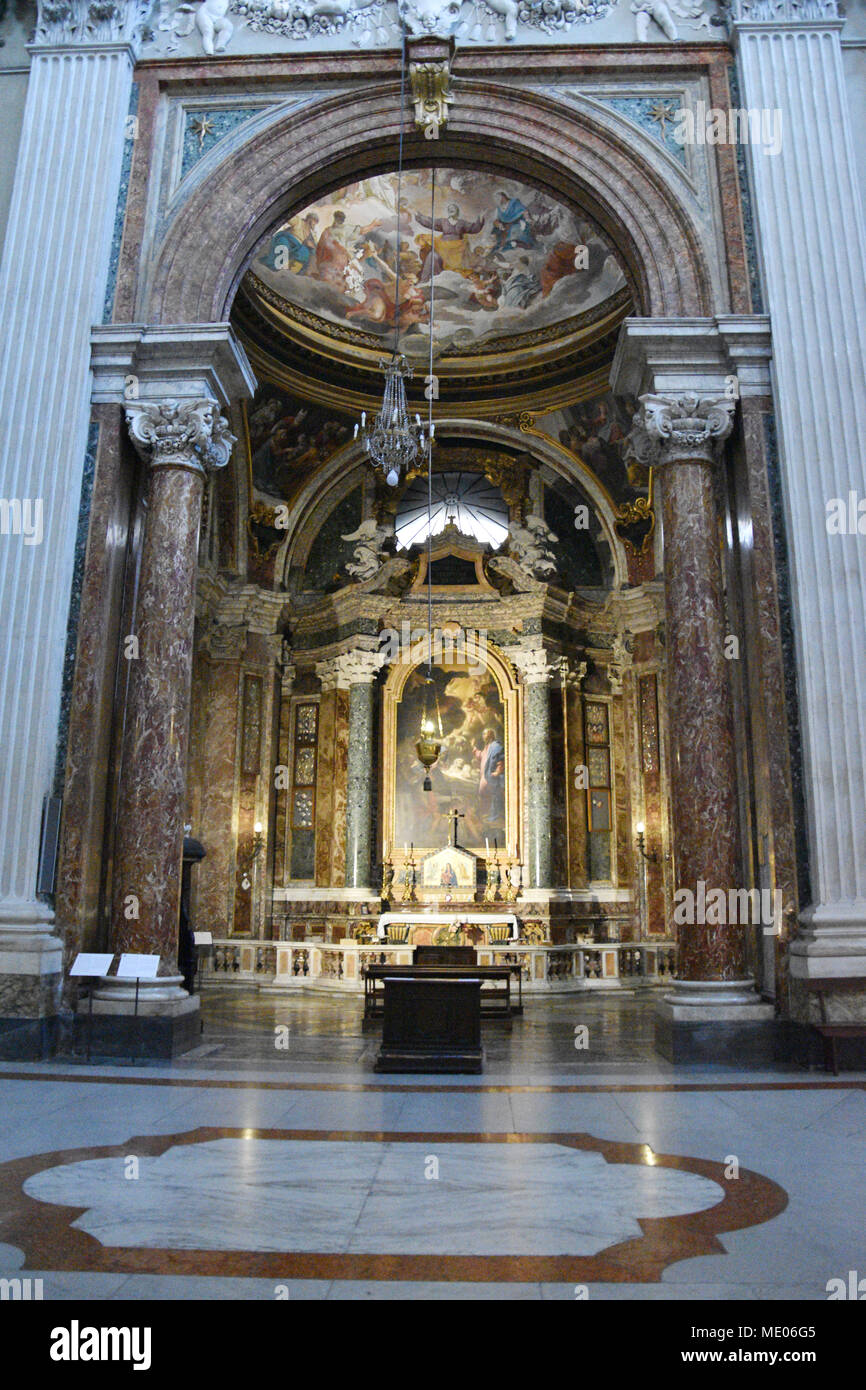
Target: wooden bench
831,1032
495,1003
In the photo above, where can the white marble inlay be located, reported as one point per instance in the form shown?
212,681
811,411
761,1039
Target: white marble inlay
334,1196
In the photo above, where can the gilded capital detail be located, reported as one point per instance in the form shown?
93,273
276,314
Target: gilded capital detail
680,427
180,434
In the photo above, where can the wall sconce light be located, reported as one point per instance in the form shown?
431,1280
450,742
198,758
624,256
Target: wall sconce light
246,860
641,844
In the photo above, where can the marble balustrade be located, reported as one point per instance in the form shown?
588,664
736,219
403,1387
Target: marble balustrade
287,965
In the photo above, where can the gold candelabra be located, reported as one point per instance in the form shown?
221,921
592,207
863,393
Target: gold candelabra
409,885
494,879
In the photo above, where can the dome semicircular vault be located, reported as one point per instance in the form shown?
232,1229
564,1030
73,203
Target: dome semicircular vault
528,292
467,500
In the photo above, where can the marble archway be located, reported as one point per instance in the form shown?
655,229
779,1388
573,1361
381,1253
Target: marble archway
190,272
648,210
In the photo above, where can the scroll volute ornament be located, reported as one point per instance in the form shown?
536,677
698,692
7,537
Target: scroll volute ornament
687,425
180,434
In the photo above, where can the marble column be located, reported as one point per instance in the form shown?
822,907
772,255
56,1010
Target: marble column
52,286
536,666
809,218
356,670
222,648
178,441
681,437
684,418
181,379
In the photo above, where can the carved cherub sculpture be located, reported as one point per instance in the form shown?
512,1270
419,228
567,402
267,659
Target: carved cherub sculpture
368,558
212,21
532,547
422,17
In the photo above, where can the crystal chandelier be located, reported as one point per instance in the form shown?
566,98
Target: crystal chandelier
395,440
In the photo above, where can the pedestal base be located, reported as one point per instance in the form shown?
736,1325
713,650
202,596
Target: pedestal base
722,1023
166,1022
122,1037
30,983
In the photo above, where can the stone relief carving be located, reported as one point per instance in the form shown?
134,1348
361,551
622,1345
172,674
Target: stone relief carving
423,17
369,557
531,546
661,13
90,21
180,433
363,22
210,18
621,660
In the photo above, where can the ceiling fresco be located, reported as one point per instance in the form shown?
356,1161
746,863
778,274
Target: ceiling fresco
500,259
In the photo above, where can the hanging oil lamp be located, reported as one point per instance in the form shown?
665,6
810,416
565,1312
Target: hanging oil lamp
429,745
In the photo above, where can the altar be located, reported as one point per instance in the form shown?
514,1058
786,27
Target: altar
435,928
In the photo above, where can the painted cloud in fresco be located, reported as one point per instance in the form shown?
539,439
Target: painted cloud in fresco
504,259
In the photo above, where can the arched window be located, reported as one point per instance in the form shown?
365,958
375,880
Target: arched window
467,500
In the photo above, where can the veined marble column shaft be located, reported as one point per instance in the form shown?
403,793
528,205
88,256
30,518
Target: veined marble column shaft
681,436
52,286
177,439
536,667
357,670
810,218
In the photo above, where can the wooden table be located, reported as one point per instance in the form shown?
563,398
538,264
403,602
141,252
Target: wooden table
431,1024
495,1003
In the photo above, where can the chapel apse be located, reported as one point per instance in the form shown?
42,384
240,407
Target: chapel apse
471,770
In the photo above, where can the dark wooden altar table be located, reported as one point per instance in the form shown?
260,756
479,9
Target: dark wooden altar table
432,1022
495,1003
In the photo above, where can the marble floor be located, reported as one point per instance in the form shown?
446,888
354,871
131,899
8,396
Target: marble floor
271,1162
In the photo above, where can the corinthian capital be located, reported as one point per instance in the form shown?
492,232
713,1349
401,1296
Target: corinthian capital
681,427
780,11
180,434
72,23
534,663
357,667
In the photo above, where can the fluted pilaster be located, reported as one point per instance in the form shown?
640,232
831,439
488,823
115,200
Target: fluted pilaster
52,286
809,215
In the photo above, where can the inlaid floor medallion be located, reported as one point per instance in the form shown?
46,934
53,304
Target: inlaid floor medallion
376,1205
